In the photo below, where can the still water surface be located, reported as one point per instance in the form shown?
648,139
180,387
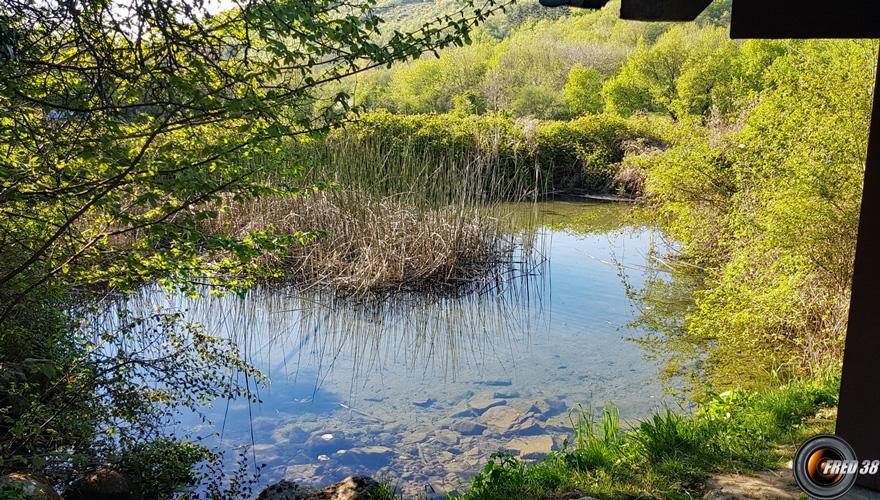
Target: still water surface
421,390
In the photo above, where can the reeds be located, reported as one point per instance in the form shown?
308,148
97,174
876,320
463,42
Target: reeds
376,243
396,218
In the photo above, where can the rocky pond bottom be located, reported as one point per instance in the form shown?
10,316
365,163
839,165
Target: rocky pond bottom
419,454
420,391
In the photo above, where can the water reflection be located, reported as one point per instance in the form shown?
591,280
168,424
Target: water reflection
294,334
422,389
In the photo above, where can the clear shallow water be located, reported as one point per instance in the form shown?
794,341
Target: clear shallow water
421,390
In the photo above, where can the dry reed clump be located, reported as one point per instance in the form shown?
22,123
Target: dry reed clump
377,244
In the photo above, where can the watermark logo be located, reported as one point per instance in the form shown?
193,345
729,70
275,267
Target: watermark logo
826,467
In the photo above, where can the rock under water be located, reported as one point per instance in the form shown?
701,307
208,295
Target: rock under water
350,488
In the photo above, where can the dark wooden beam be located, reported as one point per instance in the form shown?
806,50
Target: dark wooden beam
583,4
805,19
858,414
662,10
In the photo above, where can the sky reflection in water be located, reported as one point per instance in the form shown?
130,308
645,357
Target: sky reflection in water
421,390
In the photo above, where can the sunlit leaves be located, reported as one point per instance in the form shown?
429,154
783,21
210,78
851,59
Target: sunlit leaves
124,127
767,200
127,128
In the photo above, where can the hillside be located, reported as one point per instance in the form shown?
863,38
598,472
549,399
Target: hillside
409,14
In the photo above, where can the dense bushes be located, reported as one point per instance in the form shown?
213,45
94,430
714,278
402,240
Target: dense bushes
552,65
769,206
583,154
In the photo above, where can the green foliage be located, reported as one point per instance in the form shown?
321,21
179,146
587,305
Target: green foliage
668,454
145,157
583,91
578,154
538,102
432,85
158,469
501,475
623,95
384,492
710,77
585,153
648,78
468,103
119,384
691,71
522,62
769,205
597,443
126,129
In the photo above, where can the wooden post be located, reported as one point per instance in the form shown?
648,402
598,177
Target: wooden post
858,417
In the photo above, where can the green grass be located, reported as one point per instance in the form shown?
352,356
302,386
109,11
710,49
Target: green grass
384,492
669,455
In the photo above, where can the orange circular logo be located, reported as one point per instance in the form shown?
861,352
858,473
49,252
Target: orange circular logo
825,467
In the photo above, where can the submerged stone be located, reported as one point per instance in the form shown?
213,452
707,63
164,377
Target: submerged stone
446,437
326,443
300,472
371,456
507,394
350,488
496,383
289,433
528,427
467,428
424,403
483,402
532,447
501,419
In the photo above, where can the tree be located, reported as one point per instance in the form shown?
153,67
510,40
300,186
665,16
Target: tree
770,209
583,91
711,76
124,120
647,81
430,84
624,94
538,102
125,125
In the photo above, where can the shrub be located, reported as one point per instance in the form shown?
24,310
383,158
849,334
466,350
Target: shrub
160,468
584,153
769,206
583,91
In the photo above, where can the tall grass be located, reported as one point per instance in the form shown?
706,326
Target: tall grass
379,244
596,441
457,175
392,218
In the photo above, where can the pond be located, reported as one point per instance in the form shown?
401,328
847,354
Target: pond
421,390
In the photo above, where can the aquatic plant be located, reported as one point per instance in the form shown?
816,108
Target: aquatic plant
389,220
372,243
